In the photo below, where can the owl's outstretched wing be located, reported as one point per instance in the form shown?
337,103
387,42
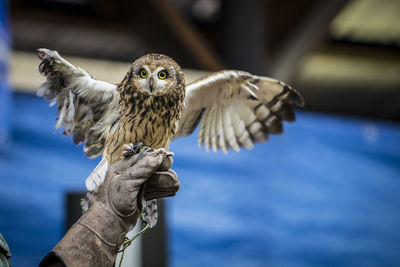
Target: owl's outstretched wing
86,106
236,108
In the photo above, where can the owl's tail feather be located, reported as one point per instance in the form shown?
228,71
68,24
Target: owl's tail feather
97,176
151,213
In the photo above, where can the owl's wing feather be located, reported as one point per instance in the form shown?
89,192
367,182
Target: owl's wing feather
236,109
86,106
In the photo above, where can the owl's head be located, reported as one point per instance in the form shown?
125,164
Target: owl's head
156,73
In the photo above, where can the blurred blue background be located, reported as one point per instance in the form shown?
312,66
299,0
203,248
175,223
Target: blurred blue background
5,94
324,193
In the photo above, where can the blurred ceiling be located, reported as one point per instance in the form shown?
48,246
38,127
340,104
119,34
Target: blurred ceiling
357,69
342,55
369,21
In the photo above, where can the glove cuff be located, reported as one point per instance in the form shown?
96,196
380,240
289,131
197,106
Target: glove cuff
94,240
112,229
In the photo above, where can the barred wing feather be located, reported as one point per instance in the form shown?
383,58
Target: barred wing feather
86,106
236,109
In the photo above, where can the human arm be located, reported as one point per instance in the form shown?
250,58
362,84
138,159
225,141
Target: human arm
96,237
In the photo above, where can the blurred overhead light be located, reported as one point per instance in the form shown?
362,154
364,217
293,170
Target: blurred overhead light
369,21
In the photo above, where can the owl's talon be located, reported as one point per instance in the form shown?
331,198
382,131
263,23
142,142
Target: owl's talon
46,54
128,150
138,146
131,149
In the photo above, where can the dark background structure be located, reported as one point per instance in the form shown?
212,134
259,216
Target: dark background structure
288,40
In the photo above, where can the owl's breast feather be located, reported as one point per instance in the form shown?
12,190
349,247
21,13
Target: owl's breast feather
153,125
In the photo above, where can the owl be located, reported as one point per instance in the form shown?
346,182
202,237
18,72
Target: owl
153,106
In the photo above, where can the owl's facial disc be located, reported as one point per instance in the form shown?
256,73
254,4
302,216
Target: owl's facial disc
153,80
159,79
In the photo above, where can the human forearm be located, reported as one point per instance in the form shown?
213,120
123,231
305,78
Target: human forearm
96,237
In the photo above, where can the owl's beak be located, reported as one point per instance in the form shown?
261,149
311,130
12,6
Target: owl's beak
151,84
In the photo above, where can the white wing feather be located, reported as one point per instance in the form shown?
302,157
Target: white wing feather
97,176
86,106
235,109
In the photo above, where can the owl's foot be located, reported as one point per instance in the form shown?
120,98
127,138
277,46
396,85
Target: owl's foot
129,150
47,64
44,53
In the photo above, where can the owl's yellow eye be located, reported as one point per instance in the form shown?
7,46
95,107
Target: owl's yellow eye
143,73
162,75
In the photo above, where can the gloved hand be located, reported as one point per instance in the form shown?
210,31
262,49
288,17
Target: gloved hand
96,237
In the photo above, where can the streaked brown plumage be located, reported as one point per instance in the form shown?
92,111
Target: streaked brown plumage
151,119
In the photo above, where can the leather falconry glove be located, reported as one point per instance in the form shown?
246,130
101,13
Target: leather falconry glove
94,240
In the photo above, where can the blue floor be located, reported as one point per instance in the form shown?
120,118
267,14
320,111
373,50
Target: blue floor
325,193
